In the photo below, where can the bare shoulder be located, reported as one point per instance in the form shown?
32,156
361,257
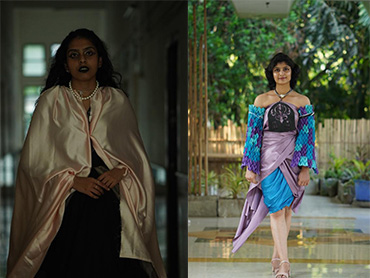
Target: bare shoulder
299,100
263,100
303,100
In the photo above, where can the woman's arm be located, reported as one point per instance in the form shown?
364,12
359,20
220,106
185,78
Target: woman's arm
304,151
89,186
112,177
253,143
304,176
251,176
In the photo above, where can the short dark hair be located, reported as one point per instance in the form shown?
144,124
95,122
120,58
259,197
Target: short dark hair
105,74
279,58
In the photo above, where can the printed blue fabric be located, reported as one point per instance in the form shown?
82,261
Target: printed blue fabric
276,191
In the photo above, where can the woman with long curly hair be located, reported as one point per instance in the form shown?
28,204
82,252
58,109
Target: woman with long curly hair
279,150
84,201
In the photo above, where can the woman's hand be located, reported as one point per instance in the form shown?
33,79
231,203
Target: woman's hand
251,176
112,177
304,176
89,186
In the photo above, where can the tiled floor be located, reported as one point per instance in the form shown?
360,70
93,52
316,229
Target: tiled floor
327,239
6,207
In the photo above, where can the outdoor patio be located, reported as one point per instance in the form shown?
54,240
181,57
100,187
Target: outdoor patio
327,239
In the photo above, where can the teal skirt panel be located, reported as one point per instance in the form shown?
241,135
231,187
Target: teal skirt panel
276,191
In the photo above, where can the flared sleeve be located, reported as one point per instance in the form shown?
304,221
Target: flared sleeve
253,142
304,151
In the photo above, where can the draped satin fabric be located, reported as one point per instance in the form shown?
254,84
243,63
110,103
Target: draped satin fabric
276,151
57,148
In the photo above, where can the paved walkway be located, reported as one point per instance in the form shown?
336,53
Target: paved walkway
327,239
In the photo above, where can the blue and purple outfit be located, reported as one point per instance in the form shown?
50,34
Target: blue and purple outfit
280,139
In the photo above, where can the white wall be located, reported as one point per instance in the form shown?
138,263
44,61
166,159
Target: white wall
140,40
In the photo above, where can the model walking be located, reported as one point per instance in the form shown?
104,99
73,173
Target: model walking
279,150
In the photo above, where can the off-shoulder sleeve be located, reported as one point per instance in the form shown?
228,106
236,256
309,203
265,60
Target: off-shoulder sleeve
304,152
253,142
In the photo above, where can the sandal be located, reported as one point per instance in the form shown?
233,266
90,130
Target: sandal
275,269
283,274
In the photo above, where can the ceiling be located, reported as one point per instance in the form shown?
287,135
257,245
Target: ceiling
57,4
262,8
269,8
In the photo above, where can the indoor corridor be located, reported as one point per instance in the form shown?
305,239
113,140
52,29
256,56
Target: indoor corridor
147,44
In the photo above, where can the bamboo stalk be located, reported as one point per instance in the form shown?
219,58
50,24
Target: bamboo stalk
200,115
205,98
194,101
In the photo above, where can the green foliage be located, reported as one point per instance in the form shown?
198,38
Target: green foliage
344,169
330,40
334,57
361,153
234,181
359,167
212,181
212,178
236,50
362,170
336,167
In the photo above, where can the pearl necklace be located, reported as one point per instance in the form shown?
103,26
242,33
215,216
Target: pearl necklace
281,96
80,96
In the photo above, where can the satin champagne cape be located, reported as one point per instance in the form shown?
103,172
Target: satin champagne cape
57,148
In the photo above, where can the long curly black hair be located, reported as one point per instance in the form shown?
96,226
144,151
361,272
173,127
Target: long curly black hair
279,58
105,74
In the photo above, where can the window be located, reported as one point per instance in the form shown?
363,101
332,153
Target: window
53,49
7,170
34,61
30,94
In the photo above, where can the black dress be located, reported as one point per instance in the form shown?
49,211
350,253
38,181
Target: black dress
88,241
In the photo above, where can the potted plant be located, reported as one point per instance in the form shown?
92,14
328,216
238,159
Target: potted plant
235,186
346,191
212,179
329,186
201,205
313,187
361,178
346,186
234,182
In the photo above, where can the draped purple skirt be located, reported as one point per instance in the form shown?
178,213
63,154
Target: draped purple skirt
276,153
